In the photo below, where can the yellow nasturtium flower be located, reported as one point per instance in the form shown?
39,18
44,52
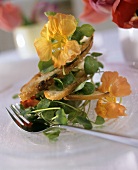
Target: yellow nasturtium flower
116,86
55,40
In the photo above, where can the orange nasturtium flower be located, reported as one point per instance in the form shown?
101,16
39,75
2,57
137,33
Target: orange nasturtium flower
117,86
55,40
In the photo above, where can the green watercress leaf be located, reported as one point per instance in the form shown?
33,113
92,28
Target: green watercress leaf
59,83
71,103
87,30
46,66
52,134
61,117
40,95
43,104
72,116
49,13
91,65
79,87
31,117
48,114
84,121
85,88
100,65
99,120
68,79
25,111
97,84
88,88
77,35
96,54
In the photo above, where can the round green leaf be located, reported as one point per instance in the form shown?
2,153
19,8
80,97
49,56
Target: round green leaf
91,65
68,79
44,103
99,120
88,88
87,30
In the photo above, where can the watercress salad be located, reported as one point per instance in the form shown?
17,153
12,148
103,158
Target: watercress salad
65,112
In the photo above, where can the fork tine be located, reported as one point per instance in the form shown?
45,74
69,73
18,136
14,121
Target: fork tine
17,111
18,122
19,119
23,123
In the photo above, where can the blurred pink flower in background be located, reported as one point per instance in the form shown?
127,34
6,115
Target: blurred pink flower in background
123,12
96,11
10,16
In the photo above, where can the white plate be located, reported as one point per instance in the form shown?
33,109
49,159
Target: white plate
72,150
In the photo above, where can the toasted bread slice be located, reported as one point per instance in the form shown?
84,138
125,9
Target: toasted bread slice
58,95
31,88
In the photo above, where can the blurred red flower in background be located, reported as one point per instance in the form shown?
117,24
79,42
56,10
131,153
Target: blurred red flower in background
124,12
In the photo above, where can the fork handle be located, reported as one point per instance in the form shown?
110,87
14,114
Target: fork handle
113,137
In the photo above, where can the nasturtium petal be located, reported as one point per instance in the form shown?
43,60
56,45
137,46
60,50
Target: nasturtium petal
115,110
67,27
43,48
72,49
107,80
44,32
55,41
109,109
115,84
120,87
59,58
69,52
52,26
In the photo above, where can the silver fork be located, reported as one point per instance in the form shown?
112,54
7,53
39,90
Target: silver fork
28,126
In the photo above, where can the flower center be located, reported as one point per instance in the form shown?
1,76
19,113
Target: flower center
58,43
